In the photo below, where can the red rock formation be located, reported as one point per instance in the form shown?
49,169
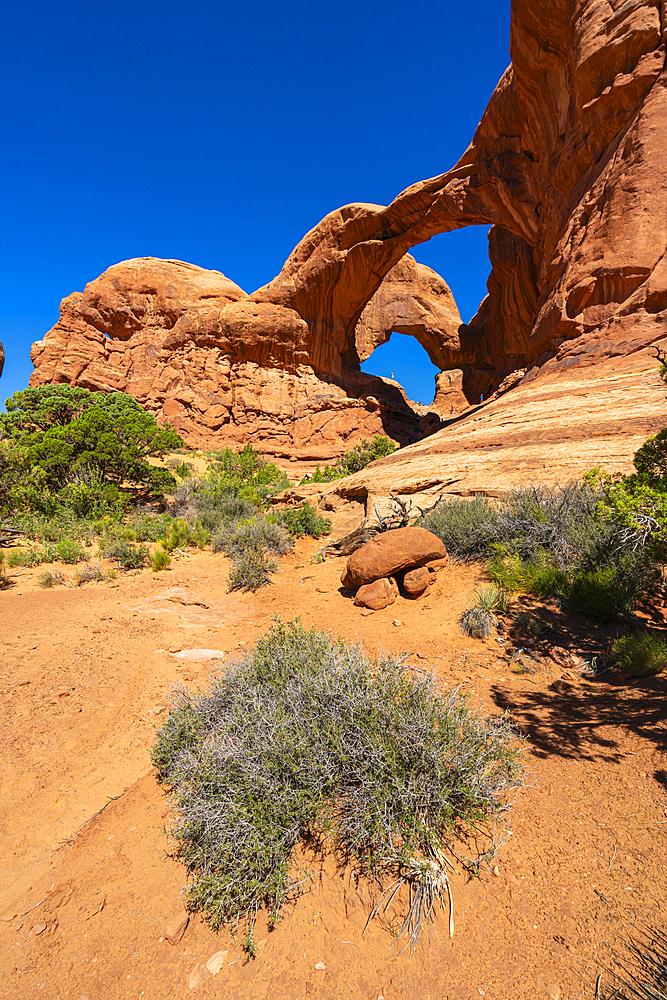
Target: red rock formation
568,164
222,368
412,299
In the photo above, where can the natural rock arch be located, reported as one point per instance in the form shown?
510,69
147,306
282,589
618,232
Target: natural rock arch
567,165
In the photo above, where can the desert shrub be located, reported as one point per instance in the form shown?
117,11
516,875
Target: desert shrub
305,520
149,527
641,655
467,528
251,570
3,571
63,524
182,469
52,578
561,523
361,455
92,572
160,560
304,734
69,551
180,535
127,556
255,534
31,557
478,623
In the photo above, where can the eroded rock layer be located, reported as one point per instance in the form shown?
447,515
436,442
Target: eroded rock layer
568,165
221,367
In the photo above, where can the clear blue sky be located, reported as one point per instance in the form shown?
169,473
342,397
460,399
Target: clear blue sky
220,133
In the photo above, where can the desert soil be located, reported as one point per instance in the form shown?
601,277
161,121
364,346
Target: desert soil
90,884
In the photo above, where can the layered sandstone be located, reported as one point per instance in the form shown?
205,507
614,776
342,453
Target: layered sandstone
221,367
568,165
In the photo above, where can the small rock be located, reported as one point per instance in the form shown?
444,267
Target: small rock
320,967
261,944
416,581
63,693
397,623
553,992
216,962
366,612
377,595
496,870
39,928
198,975
176,926
320,590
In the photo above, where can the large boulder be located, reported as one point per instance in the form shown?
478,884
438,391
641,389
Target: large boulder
390,553
377,595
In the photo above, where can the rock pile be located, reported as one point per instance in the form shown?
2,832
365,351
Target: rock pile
410,556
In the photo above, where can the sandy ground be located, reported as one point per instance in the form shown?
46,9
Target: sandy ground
89,885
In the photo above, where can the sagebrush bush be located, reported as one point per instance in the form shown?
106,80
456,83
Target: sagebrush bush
92,571
303,734
127,556
52,578
642,655
255,534
251,570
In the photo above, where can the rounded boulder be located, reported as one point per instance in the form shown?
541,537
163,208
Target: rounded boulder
390,553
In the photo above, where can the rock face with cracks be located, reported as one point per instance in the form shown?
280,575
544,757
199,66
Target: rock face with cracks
569,167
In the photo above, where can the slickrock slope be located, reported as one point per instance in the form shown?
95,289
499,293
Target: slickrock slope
568,165
548,431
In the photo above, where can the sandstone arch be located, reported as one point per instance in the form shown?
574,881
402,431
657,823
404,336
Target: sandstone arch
569,167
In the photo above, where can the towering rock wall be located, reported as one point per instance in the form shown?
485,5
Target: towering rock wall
568,165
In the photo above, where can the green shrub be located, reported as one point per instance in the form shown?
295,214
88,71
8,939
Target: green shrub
305,520
160,560
31,557
466,527
510,572
69,551
150,527
180,535
361,455
306,734
642,655
127,556
3,573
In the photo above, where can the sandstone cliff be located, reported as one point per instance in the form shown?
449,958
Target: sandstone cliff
568,165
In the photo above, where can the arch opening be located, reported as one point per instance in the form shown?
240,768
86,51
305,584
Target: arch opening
403,359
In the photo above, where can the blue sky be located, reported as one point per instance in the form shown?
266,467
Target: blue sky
219,134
